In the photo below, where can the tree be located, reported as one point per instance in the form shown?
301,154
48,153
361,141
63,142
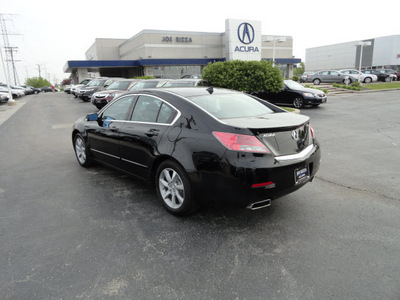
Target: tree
37,82
249,76
299,70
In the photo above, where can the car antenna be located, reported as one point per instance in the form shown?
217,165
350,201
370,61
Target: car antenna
210,90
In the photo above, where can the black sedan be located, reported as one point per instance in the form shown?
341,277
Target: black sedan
381,76
201,143
293,93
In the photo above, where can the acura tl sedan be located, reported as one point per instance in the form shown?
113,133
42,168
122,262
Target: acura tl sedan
199,143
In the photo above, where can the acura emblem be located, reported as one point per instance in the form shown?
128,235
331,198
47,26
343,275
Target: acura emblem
295,135
246,33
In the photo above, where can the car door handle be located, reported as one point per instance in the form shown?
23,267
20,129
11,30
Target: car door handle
114,128
152,132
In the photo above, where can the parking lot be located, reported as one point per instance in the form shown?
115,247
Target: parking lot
72,233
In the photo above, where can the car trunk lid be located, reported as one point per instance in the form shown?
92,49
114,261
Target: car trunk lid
282,133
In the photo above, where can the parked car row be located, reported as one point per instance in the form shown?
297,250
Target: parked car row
348,76
19,91
16,91
100,91
292,93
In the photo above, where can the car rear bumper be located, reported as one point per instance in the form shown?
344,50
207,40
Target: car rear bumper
243,183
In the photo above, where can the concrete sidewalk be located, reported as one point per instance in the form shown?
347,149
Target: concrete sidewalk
6,111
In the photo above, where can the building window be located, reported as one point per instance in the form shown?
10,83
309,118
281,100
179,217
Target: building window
175,72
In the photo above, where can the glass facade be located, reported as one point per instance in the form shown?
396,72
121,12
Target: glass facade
175,72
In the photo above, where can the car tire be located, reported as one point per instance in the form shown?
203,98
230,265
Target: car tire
316,81
388,79
81,151
173,188
298,102
368,80
347,81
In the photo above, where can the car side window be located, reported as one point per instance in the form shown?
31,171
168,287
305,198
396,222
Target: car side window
152,110
167,114
118,110
146,109
334,73
325,73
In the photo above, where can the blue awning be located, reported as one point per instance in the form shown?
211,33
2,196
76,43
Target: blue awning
96,64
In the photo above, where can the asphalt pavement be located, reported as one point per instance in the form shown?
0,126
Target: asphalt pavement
67,232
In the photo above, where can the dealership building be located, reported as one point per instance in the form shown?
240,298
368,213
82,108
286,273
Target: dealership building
376,53
173,54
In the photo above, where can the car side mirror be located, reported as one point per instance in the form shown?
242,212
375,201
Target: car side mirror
92,117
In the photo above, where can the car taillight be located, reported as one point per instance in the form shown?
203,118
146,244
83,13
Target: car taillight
312,133
241,142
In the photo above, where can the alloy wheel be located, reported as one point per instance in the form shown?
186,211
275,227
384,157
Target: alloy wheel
298,102
171,188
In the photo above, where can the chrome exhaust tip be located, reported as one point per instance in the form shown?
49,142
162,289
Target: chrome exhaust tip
259,204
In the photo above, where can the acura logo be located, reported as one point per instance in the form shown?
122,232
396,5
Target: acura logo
246,33
295,135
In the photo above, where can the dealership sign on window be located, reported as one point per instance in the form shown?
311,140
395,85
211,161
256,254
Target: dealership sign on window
243,39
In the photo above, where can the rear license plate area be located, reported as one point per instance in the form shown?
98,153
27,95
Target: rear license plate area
301,174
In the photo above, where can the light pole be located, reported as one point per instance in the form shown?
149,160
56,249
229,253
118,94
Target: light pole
275,40
362,44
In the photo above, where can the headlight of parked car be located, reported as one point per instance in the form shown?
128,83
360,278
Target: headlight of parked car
309,95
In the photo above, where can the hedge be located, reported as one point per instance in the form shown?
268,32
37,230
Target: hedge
249,76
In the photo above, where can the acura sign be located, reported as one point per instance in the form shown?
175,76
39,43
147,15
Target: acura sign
246,33
243,40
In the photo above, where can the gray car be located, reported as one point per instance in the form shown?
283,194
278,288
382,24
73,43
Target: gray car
96,85
330,76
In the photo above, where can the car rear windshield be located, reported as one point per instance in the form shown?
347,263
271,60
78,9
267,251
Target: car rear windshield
228,106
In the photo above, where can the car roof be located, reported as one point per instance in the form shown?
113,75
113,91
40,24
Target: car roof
188,91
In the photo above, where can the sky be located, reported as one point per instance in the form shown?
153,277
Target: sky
49,33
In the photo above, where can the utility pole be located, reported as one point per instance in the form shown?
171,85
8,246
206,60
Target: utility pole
9,51
39,69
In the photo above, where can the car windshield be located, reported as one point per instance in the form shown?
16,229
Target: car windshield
228,106
97,82
293,85
119,85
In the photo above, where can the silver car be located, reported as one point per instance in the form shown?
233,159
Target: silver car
366,78
330,76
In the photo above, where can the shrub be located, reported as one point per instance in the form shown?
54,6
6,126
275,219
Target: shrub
247,76
296,78
144,77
